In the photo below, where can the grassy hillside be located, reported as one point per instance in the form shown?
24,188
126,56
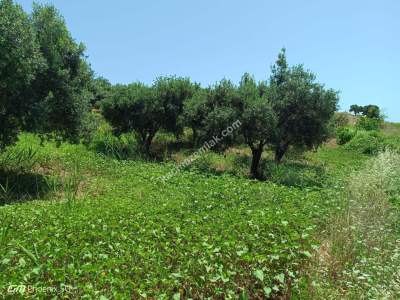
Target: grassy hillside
99,227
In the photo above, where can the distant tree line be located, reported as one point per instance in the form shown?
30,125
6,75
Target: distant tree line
370,111
47,87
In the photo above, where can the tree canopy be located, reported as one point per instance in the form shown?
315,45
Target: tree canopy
20,60
44,77
172,92
61,88
290,110
147,109
134,108
47,87
257,118
302,106
370,111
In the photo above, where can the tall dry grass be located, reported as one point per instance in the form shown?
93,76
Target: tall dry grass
359,257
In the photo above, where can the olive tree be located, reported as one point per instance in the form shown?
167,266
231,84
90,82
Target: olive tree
61,88
171,93
20,60
101,89
302,106
194,113
134,108
211,111
257,119
218,107
372,111
356,109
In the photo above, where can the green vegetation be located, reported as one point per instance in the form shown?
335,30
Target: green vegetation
345,134
303,107
366,123
44,78
146,110
359,253
368,142
111,227
61,87
149,194
19,63
368,136
370,111
104,227
290,110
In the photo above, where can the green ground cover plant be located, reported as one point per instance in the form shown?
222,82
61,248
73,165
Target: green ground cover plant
124,233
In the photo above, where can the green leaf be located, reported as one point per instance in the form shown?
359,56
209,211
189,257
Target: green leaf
244,296
280,277
36,270
22,262
259,274
29,254
176,296
267,291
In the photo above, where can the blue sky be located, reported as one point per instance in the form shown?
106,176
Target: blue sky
352,46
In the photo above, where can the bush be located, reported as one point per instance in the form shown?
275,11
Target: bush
392,143
296,174
338,121
345,135
18,160
366,123
366,142
123,147
90,125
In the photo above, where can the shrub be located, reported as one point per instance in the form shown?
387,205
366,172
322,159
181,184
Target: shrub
296,174
366,142
122,147
366,123
345,135
90,125
103,141
339,120
392,143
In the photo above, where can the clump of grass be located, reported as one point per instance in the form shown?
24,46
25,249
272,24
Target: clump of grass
17,178
18,159
366,142
72,183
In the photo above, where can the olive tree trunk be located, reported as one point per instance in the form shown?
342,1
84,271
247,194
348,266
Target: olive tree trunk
255,161
280,151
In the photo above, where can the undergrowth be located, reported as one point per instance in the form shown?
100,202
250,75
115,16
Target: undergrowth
360,252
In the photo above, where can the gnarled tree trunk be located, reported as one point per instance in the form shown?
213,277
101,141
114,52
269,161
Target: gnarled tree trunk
280,151
147,143
146,139
255,161
194,137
